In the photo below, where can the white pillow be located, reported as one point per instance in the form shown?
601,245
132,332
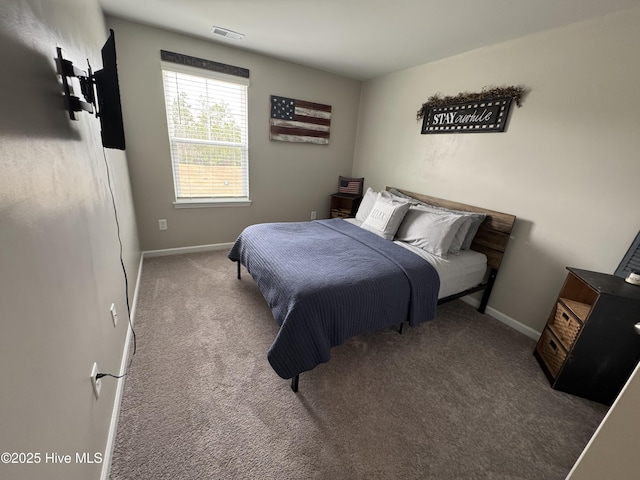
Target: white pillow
433,232
366,204
385,217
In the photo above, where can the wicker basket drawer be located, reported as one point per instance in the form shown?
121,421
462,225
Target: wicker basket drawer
551,352
340,213
565,325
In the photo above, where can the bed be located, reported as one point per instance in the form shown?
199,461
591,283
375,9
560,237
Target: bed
328,280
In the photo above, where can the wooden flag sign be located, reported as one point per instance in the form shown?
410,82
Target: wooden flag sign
350,185
299,121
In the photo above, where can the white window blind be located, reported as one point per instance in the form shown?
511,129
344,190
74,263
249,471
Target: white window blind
208,134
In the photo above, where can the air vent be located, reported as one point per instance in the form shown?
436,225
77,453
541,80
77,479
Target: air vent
223,32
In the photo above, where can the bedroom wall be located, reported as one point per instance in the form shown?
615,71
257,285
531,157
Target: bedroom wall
287,181
613,450
567,166
59,252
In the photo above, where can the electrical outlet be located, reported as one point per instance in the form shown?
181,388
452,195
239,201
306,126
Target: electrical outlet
96,382
313,215
114,314
162,224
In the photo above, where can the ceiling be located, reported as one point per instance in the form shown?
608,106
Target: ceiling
362,39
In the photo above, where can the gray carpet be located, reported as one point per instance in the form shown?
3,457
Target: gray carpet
460,397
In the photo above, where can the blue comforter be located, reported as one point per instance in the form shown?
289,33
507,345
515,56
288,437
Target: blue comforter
328,280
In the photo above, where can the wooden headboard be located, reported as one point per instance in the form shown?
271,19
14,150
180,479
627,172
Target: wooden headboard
493,235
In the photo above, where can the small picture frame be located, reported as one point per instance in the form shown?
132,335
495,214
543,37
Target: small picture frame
350,185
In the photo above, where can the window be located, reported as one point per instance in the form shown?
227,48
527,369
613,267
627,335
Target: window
208,134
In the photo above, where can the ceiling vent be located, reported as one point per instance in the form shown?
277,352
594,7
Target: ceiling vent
223,32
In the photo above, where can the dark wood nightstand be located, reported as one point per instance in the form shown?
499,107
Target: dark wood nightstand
590,344
344,205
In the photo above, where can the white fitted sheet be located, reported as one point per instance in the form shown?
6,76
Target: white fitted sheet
457,272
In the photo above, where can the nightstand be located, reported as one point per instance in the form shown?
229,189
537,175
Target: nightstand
344,205
590,344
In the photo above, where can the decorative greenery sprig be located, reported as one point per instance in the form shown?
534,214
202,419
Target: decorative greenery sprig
437,100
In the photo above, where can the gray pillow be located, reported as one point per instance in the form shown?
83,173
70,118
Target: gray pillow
385,217
465,224
476,221
432,231
398,193
476,218
458,240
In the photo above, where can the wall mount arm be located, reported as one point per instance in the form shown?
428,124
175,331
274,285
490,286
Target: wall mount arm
75,104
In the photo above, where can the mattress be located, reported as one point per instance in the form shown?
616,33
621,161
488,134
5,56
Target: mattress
457,272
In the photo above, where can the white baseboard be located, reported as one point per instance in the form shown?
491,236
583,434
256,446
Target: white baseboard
507,320
115,414
181,250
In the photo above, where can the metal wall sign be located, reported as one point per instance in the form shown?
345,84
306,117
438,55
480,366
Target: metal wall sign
488,115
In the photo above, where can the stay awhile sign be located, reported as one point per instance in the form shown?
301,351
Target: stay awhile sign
469,117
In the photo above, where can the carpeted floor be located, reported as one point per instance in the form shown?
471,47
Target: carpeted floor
460,397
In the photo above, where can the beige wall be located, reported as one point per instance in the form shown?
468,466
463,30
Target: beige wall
287,181
567,167
59,254
613,450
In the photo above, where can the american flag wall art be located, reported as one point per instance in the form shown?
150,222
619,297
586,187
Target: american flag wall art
299,121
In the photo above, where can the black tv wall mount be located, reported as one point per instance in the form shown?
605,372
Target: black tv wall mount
74,104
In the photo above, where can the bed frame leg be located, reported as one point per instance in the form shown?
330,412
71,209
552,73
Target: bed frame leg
238,269
294,383
487,291
400,328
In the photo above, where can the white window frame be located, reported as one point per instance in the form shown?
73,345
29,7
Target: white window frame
199,202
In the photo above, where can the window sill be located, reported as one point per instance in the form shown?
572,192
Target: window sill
239,202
